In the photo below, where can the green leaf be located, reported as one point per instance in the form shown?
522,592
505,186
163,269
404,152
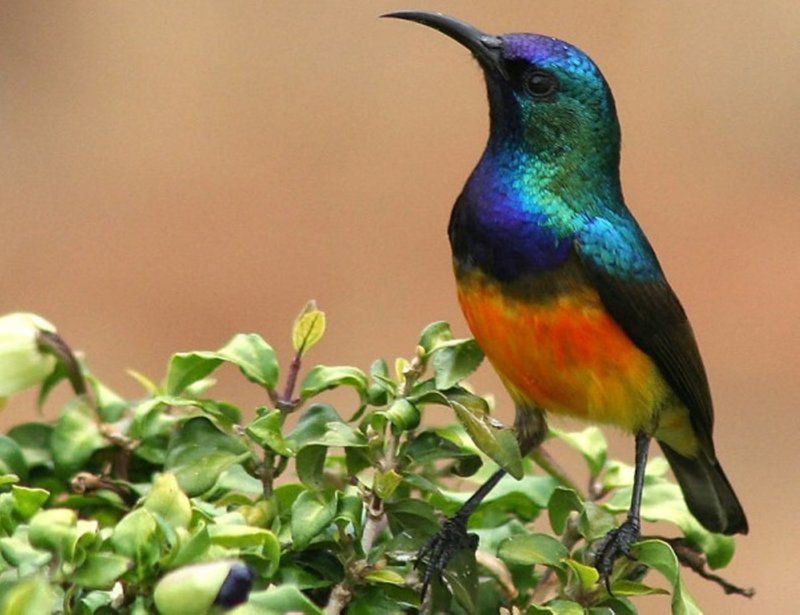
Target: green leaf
321,425
277,601
402,414
167,500
75,438
136,537
412,516
12,460
429,446
254,357
23,502
32,596
248,351
385,575
58,374
236,480
385,482
620,474
595,522
586,575
309,327
454,361
309,465
324,377
311,514
34,440
524,497
101,570
556,607
244,537
499,444
527,549
561,504
8,479
199,453
461,575
266,430
624,587
59,530
192,549
659,555
434,335
18,552
590,443
188,367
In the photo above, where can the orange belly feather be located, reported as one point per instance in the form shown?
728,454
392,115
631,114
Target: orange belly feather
564,354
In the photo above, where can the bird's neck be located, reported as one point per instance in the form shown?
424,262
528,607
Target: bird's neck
581,177
519,212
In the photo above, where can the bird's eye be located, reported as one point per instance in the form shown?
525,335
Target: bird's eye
540,84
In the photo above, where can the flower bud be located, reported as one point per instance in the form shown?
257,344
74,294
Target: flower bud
22,363
193,590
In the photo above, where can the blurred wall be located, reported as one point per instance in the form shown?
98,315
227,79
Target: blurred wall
175,172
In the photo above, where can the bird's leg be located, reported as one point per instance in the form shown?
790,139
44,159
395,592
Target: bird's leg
619,541
453,536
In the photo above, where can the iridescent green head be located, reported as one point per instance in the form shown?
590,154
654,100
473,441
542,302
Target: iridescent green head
545,95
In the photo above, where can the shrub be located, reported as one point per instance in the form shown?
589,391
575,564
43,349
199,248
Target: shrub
179,502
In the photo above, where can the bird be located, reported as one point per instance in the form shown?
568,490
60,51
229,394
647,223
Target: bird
561,288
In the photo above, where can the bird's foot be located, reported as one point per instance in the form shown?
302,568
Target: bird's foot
615,544
439,550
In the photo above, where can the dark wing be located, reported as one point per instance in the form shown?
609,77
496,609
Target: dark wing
650,314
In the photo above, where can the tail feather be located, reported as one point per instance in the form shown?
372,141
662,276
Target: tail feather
708,493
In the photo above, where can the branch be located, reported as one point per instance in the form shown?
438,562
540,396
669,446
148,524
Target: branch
340,596
285,401
695,560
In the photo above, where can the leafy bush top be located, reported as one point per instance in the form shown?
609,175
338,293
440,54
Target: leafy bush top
179,502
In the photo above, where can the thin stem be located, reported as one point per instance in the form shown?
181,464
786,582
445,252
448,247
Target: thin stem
340,596
291,380
696,561
267,473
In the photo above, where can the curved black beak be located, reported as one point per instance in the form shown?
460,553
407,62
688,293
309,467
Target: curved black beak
486,48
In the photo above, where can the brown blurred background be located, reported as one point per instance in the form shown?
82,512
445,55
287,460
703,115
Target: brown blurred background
175,172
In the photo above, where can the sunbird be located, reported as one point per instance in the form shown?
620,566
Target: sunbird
561,288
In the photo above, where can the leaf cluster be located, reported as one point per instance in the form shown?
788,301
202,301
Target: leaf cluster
180,502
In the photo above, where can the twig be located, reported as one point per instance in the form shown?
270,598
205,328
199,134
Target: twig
86,482
340,596
500,572
285,402
695,560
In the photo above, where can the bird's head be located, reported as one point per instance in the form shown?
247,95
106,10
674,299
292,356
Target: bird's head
546,96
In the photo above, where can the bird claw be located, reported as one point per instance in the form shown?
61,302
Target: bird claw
615,544
440,549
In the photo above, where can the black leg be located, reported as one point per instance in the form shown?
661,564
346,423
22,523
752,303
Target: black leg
619,541
453,536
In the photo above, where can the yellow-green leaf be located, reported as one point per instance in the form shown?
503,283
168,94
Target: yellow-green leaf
309,327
